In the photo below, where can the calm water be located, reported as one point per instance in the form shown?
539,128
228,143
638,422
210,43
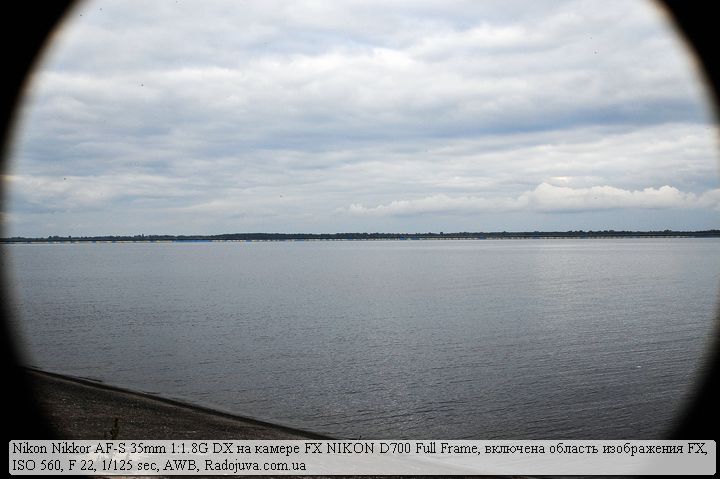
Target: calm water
416,339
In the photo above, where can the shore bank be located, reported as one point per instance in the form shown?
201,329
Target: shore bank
84,409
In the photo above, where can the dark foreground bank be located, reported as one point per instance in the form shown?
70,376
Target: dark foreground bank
84,409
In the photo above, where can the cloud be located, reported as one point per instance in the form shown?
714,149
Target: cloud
279,114
338,74
89,192
547,198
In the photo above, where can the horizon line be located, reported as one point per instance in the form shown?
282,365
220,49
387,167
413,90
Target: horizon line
377,235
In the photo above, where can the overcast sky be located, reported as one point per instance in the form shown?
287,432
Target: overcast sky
189,117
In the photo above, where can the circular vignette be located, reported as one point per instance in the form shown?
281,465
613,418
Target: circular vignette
28,29
25,33
692,24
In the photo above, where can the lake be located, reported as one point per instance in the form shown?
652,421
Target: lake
511,339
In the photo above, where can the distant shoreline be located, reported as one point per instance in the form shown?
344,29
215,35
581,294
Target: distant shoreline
251,237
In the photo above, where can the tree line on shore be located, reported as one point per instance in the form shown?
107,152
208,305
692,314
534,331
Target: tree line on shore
373,236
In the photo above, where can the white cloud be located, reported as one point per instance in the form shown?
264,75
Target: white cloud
548,198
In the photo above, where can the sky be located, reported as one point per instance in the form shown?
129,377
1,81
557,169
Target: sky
189,117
